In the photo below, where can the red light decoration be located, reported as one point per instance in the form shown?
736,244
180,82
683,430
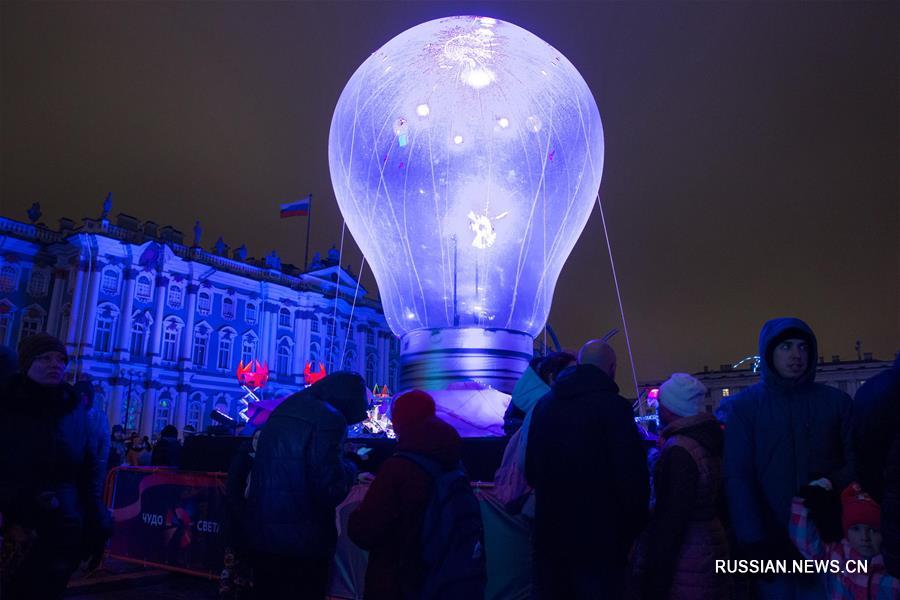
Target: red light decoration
310,376
254,375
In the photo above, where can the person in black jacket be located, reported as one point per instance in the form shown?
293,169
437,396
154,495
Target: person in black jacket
876,437
298,478
167,452
50,491
587,464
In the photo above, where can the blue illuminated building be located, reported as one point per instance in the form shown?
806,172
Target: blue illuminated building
160,326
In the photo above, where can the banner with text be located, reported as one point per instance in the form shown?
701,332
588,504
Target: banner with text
168,517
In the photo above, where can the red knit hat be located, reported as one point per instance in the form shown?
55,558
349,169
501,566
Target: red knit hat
410,408
859,508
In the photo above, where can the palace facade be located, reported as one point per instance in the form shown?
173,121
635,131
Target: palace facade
160,326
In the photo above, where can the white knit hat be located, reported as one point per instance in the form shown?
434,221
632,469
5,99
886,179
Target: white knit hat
682,394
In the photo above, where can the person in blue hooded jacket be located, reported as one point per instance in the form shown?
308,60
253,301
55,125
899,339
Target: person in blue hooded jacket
780,435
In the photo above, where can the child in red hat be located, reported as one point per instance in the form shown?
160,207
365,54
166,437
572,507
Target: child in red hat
861,523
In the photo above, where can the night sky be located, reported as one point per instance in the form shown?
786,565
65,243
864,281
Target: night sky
751,165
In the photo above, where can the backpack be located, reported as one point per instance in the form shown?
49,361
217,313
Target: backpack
452,542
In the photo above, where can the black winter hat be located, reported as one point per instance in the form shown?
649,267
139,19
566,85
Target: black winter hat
33,346
169,431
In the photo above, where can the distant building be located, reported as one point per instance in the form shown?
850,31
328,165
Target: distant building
846,376
160,327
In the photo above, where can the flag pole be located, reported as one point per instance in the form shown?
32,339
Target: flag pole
308,220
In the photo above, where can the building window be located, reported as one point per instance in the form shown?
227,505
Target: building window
371,363
101,401
250,313
314,353
143,289
109,281
163,413
350,361
195,413
370,337
176,295
314,325
139,336
9,276
5,325
334,358
63,326
201,343
31,325
226,343
284,318
133,412
248,347
227,308
106,328
39,283
204,303
171,337
285,354
222,406
726,392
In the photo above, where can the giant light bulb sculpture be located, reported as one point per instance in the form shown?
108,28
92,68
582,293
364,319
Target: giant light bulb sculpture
465,156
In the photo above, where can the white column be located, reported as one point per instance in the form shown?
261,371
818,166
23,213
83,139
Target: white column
272,349
360,337
156,337
383,357
90,312
263,343
59,282
123,344
187,339
300,327
148,410
181,409
75,314
115,411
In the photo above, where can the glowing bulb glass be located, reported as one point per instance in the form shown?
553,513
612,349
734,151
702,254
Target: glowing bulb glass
466,156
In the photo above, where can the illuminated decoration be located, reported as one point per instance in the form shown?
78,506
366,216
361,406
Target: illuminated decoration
383,393
252,377
377,421
653,398
310,376
466,156
752,358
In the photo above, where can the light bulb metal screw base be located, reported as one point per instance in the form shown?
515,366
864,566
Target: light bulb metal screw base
431,359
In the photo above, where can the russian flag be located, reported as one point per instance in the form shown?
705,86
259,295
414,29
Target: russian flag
300,208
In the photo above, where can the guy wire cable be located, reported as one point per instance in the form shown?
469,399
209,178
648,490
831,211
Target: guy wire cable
612,263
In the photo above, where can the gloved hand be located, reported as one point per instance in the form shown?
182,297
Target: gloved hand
824,508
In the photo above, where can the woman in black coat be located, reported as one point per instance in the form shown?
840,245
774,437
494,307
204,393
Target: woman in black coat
50,491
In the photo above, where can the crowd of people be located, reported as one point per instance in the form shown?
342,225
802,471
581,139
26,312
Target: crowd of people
718,506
